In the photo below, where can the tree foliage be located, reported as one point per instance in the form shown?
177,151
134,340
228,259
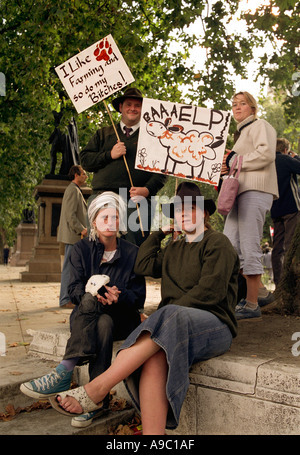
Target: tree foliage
272,110
279,22
153,36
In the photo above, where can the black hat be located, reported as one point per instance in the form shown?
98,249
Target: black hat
129,93
191,190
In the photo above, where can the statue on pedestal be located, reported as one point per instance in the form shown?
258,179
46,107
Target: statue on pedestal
28,215
66,144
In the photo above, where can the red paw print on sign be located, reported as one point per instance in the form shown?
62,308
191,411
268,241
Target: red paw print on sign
103,51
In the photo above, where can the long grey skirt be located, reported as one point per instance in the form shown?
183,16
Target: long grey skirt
187,336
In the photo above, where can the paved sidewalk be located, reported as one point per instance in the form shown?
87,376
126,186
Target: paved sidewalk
25,306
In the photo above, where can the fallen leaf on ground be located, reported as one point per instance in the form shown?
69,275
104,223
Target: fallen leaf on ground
118,404
18,343
13,345
123,429
10,411
131,427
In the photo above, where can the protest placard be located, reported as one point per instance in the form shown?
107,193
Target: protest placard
182,140
94,74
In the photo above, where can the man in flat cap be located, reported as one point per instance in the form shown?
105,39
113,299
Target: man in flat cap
104,154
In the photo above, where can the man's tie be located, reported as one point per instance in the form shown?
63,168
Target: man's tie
127,131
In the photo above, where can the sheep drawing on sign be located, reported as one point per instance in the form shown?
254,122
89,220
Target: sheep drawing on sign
191,147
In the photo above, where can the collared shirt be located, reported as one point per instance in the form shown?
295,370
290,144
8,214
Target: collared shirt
134,127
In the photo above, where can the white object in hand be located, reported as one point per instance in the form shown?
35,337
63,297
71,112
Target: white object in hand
95,282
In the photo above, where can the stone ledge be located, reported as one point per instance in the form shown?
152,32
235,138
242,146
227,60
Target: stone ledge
279,382
224,413
227,372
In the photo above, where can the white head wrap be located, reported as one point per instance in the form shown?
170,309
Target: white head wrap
104,200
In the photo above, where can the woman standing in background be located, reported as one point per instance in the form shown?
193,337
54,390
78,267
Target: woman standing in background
258,187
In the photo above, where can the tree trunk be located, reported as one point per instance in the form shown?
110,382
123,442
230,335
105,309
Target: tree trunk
288,292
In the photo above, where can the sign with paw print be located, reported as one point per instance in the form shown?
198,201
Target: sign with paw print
182,140
94,74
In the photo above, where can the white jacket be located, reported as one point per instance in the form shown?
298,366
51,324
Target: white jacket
257,145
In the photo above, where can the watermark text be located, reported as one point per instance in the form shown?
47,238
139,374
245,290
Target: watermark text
2,84
296,346
2,344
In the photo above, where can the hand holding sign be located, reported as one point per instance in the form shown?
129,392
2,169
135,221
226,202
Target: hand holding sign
118,150
91,76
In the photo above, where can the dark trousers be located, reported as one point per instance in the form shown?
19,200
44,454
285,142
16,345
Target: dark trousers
94,328
284,228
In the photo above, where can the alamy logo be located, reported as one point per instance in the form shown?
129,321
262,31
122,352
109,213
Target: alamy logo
2,84
296,85
2,344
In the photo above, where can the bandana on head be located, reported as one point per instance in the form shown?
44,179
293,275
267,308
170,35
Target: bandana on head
105,200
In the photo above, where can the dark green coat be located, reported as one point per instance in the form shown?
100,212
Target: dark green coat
201,274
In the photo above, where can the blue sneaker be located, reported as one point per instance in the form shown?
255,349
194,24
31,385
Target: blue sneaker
262,301
240,305
84,420
46,386
242,311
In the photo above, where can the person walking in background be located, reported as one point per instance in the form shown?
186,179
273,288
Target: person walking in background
258,187
72,225
104,154
285,211
5,254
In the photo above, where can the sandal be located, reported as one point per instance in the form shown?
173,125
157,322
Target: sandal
81,396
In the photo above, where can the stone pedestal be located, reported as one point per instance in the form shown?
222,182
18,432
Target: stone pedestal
45,264
26,240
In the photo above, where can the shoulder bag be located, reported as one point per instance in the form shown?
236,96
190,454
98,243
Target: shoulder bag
229,188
